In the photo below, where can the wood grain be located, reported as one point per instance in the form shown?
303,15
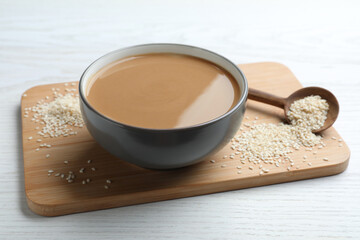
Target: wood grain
52,196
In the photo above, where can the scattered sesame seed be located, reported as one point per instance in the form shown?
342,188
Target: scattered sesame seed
297,167
232,157
81,170
251,167
83,182
94,169
238,172
108,181
50,171
47,155
212,161
340,145
72,84
305,157
224,156
106,186
261,173
57,174
309,164
223,165
24,95
315,153
340,140
288,168
89,161
39,140
48,146
88,180
326,159
238,167
333,138
37,149
265,170
256,118
246,117
29,138
66,162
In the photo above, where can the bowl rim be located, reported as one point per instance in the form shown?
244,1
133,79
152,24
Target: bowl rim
241,101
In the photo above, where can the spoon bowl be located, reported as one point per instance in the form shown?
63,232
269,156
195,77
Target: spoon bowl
285,103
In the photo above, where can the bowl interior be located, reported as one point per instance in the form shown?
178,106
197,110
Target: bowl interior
166,48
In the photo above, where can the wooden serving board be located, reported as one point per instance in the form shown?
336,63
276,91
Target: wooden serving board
53,196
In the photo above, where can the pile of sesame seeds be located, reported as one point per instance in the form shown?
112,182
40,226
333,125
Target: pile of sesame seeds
59,115
309,112
269,143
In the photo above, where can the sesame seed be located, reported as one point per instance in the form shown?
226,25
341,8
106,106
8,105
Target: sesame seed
89,161
246,117
251,167
62,175
256,118
340,140
66,162
50,171
81,170
238,172
88,180
24,95
265,170
212,161
48,146
39,140
232,157
47,155
57,174
83,182
29,138
238,167
94,169
315,153
305,157
309,164
340,145
297,167
261,173
223,165
326,159
72,84
288,168
37,149
333,138
106,186
108,181
224,156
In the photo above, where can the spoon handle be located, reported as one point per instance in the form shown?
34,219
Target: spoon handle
267,98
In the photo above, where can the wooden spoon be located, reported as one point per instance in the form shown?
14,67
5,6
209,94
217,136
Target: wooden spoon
285,103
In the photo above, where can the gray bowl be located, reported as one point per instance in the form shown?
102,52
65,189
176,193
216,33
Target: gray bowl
163,148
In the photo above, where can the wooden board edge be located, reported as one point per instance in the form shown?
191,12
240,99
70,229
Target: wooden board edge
186,191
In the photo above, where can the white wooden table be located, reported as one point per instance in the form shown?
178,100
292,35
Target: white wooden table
53,41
